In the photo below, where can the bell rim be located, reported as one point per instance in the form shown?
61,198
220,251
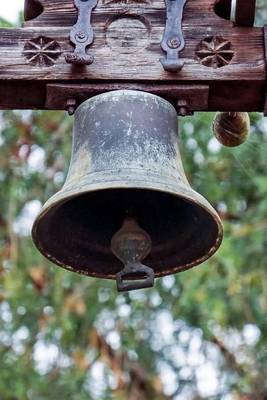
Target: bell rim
198,200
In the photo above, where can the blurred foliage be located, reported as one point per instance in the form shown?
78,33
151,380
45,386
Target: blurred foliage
67,336
201,334
4,23
261,12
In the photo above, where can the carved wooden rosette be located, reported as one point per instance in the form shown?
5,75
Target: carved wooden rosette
227,59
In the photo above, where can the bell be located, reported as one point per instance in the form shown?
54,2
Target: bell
126,200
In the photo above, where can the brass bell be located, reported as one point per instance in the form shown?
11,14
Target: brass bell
126,199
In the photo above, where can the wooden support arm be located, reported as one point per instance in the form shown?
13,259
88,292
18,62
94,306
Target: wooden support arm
244,12
241,12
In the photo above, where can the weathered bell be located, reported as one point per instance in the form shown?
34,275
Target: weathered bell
126,199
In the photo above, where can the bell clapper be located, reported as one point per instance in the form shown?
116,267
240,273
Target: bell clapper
131,244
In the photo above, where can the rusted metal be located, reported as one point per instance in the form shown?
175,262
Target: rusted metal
82,34
173,39
131,245
126,157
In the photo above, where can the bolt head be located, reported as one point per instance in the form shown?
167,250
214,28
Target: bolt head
174,43
81,36
71,106
183,111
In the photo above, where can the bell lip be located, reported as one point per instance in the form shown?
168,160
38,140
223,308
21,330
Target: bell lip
198,200
99,98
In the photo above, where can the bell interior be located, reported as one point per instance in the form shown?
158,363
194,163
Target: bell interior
77,233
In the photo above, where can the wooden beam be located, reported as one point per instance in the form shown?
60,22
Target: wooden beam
126,50
139,60
265,48
196,97
32,9
244,12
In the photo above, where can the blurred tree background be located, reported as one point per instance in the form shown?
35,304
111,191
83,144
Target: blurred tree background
201,334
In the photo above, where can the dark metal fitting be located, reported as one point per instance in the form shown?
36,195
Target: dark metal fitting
82,34
71,106
81,37
173,39
134,277
183,108
174,43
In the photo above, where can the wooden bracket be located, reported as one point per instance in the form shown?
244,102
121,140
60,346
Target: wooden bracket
243,12
193,97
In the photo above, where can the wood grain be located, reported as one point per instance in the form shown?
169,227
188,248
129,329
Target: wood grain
119,62
245,12
265,51
58,13
127,50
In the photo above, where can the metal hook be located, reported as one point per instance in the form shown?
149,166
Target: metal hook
173,40
82,34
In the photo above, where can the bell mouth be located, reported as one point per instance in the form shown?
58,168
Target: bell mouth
76,232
